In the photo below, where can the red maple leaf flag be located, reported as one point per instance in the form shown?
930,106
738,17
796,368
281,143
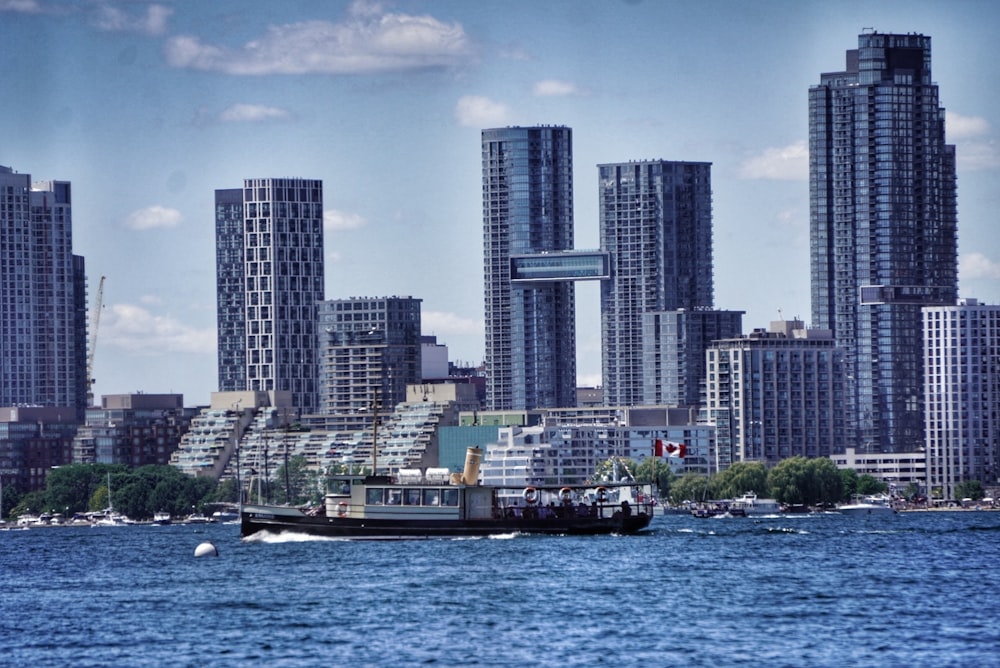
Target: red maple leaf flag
658,448
676,449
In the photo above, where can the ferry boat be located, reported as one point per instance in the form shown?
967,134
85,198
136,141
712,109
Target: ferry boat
436,503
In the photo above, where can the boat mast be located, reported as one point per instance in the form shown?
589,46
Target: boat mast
375,434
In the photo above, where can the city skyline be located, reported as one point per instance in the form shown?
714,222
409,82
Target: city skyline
148,108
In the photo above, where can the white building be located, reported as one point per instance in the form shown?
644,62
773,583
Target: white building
962,395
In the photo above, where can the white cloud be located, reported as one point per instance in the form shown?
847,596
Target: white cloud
115,19
336,221
786,163
370,41
249,113
555,88
976,265
477,111
134,329
21,6
440,323
961,127
152,217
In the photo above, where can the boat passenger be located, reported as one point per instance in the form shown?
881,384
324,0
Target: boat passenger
626,509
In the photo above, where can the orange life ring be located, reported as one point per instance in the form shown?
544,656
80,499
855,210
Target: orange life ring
602,494
342,509
565,495
530,495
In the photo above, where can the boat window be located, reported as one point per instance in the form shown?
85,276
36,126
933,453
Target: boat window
449,497
411,497
393,497
373,496
432,497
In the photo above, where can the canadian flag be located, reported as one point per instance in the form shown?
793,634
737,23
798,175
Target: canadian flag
672,449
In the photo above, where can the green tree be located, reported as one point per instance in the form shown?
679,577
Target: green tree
868,484
969,489
690,487
30,503
658,472
740,478
798,480
300,483
849,483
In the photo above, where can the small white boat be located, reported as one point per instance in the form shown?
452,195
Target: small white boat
751,505
867,506
162,518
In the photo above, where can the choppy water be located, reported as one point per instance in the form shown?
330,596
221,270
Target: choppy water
915,589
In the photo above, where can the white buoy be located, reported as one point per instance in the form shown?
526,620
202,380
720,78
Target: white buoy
206,550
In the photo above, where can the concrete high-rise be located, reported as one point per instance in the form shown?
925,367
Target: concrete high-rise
369,352
962,363
656,227
527,211
883,225
43,297
775,394
269,277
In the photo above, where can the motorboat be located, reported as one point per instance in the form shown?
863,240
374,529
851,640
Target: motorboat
162,518
868,505
751,505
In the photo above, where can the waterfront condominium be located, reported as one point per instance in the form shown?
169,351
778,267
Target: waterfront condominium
882,228
528,211
775,394
43,297
656,227
269,273
369,352
962,363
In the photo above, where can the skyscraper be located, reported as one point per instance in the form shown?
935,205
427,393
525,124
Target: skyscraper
528,211
882,228
43,309
656,226
269,277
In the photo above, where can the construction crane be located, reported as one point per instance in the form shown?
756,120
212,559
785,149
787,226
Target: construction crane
95,321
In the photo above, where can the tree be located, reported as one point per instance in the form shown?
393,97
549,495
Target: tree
868,484
969,489
299,481
798,480
691,487
849,482
655,470
740,478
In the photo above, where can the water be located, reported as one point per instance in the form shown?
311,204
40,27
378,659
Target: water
914,589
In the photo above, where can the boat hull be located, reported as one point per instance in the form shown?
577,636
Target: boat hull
866,509
271,519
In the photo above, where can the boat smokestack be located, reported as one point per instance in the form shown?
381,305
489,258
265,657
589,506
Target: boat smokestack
473,457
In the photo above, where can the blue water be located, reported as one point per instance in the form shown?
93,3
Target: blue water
916,589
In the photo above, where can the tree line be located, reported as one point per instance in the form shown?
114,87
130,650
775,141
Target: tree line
792,481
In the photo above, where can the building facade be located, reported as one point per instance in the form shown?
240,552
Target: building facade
527,210
370,350
133,429
776,394
882,228
656,226
269,277
43,309
962,392
673,352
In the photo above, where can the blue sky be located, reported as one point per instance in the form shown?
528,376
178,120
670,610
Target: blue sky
149,107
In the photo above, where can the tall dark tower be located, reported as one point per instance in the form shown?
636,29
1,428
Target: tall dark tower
883,222
528,210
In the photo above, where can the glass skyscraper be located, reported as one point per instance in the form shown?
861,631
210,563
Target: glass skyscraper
528,210
882,228
43,308
269,278
656,226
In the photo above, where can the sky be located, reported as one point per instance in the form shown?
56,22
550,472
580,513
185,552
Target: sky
148,108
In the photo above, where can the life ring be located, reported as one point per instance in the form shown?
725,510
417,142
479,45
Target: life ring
530,495
602,494
565,495
342,509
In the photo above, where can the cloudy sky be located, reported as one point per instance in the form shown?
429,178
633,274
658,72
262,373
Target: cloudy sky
149,107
